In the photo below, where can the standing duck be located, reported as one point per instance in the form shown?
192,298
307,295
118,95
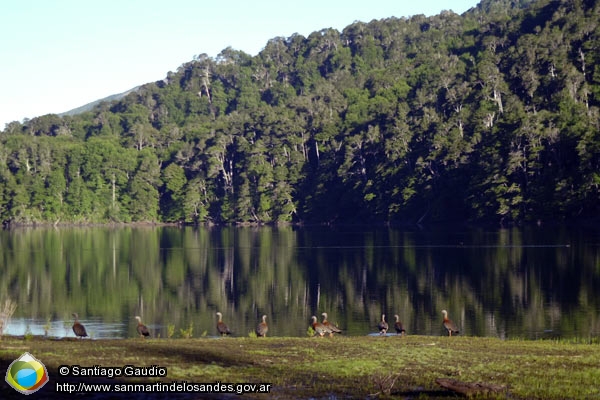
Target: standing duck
142,329
262,328
382,326
332,327
78,328
222,327
448,324
398,326
319,328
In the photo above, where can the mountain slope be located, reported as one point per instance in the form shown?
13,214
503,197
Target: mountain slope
90,106
487,116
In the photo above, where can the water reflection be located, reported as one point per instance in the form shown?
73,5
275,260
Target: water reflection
95,327
507,283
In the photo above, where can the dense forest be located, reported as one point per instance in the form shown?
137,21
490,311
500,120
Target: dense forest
490,116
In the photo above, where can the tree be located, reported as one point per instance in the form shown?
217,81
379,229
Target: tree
143,188
174,180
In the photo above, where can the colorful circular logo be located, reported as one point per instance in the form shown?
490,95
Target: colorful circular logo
26,374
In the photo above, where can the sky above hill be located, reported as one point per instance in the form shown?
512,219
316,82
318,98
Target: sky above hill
59,55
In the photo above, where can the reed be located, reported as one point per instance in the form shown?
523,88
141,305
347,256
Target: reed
6,313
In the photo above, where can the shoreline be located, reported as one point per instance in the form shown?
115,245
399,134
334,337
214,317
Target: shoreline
590,222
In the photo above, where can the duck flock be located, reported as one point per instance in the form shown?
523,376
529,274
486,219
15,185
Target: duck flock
319,328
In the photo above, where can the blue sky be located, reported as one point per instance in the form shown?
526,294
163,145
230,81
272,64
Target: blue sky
56,55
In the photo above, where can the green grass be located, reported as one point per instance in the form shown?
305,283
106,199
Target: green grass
341,366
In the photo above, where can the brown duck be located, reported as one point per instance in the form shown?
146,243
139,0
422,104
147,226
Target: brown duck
222,327
332,327
319,328
383,326
398,326
142,329
262,328
448,324
78,328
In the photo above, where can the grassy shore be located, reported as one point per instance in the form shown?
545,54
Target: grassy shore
339,367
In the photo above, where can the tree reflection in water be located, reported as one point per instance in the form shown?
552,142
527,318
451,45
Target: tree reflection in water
528,283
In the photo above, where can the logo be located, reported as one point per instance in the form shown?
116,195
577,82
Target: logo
27,374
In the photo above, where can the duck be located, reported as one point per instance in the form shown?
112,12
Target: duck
142,329
448,324
319,328
382,326
222,327
262,328
78,328
331,326
398,326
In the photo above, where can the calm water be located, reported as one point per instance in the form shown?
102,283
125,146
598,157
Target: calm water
532,283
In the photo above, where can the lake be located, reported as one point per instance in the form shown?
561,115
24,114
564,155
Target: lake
537,282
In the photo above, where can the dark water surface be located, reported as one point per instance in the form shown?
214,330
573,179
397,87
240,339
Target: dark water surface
531,283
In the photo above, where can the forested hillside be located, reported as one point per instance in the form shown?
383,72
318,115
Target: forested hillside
488,116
